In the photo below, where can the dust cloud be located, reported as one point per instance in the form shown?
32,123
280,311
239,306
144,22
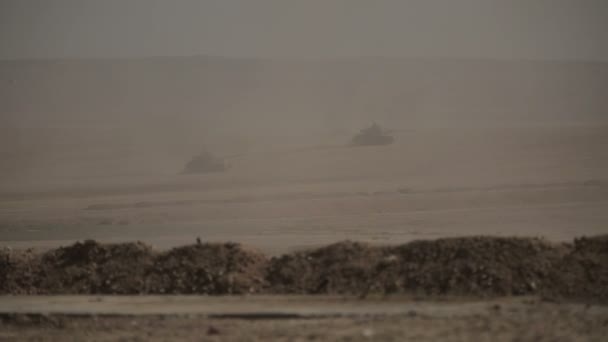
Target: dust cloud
70,119
120,149
292,153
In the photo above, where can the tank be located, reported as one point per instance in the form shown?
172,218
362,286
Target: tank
205,162
372,136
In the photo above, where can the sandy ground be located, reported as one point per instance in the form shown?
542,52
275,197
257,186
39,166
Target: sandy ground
478,151
303,319
261,306
547,180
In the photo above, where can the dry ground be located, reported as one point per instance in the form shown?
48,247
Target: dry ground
546,180
543,180
392,319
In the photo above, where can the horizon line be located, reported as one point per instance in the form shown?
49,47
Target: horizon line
303,59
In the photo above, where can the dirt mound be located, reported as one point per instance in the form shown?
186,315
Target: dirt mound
207,269
91,267
18,271
83,268
479,266
471,266
582,273
344,267
133,268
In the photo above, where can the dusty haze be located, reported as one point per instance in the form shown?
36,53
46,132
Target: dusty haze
498,111
76,119
95,148
313,169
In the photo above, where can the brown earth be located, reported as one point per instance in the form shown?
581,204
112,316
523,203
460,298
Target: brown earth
207,268
528,323
472,266
283,196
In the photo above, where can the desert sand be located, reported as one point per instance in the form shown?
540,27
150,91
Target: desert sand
547,181
503,149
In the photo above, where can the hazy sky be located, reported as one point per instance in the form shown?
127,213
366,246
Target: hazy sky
529,29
